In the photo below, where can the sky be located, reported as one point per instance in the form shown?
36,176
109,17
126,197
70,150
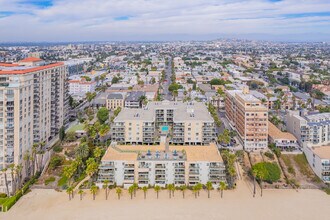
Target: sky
148,20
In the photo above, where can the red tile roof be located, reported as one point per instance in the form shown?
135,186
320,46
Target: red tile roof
30,70
8,64
30,59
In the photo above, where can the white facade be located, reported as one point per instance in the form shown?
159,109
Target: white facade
80,88
309,129
319,160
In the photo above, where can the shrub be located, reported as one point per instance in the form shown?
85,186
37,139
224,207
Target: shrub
49,180
3,195
268,172
58,149
55,162
63,181
270,155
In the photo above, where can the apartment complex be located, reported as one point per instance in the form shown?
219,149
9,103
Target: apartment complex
160,165
114,101
249,117
319,160
311,129
81,87
33,106
187,123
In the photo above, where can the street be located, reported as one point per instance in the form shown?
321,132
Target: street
168,72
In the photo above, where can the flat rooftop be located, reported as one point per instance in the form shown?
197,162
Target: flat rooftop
182,111
191,153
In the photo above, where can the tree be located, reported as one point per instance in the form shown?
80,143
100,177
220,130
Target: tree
92,167
106,187
222,187
70,136
90,96
97,153
94,190
183,188
119,192
18,171
103,115
170,189
115,80
82,151
4,170
131,191
209,187
265,171
13,181
216,81
195,190
157,189
69,191
145,190
135,187
62,133
153,80
81,192
199,187
224,137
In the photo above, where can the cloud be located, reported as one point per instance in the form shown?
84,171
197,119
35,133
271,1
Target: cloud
67,20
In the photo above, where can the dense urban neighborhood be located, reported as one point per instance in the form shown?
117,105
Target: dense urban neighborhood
163,116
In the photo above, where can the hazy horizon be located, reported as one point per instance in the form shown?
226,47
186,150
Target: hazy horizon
155,20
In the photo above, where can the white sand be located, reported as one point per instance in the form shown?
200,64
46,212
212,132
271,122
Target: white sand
238,204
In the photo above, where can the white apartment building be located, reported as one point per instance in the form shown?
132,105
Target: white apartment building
81,87
33,107
311,129
188,123
154,165
319,160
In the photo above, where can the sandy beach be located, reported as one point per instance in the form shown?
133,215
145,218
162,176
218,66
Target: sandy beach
236,204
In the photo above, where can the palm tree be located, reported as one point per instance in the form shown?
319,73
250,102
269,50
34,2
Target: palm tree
106,187
131,191
4,170
69,191
157,189
81,192
13,181
170,188
183,188
18,171
209,187
82,151
195,190
222,187
94,190
26,158
145,190
199,187
119,192
135,187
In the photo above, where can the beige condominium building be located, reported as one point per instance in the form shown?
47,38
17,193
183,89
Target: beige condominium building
187,123
33,106
160,165
249,117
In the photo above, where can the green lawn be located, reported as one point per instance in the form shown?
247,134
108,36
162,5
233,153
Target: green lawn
76,127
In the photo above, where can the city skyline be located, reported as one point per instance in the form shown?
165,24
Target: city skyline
99,20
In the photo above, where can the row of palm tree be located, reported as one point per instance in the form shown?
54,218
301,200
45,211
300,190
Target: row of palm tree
133,189
16,178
